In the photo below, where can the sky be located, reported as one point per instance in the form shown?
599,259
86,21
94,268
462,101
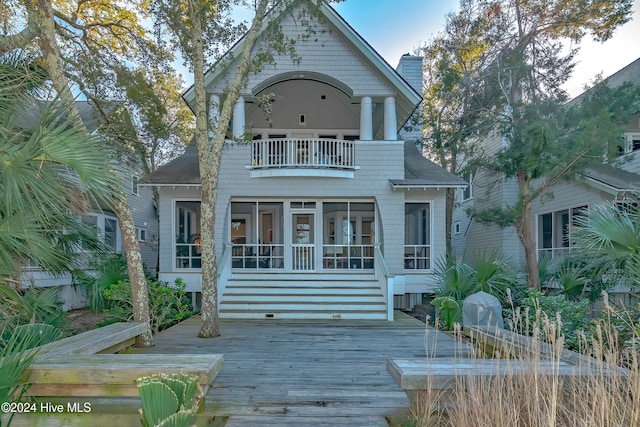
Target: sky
396,27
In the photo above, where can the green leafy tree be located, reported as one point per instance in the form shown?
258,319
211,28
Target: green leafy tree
199,28
545,141
95,47
451,64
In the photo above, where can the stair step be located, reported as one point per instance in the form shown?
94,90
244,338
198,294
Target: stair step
314,314
294,298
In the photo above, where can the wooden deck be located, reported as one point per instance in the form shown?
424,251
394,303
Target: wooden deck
306,373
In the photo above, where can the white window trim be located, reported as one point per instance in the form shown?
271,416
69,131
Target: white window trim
629,137
552,212
431,231
470,188
135,188
174,243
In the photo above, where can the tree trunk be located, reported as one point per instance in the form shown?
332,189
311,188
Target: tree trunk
209,156
137,280
526,232
449,218
43,16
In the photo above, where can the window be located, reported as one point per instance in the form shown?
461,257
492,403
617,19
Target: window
417,236
349,235
456,228
257,235
631,144
107,228
554,231
468,191
135,189
187,234
142,234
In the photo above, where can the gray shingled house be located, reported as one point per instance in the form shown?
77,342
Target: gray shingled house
326,212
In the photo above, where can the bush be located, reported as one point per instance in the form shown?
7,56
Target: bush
108,272
486,273
32,305
536,307
168,304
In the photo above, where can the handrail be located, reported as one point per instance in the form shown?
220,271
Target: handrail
224,269
385,281
323,153
224,259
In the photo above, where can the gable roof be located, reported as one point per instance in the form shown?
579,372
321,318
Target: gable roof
33,111
420,172
628,74
407,100
181,171
611,179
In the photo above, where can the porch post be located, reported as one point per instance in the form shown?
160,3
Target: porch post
390,124
366,119
214,114
238,118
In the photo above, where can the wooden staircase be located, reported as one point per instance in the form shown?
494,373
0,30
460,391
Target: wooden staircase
296,298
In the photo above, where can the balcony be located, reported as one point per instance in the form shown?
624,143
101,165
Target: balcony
302,157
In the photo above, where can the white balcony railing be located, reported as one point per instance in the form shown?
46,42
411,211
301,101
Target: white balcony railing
317,153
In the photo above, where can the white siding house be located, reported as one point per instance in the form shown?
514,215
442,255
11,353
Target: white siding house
326,212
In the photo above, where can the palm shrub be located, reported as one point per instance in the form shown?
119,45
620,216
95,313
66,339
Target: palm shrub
456,281
16,356
168,400
108,272
608,237
52,172
32,305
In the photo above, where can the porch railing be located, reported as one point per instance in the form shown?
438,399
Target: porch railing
417,257
348,257
554,252
303,257
253,256
302,153
188,255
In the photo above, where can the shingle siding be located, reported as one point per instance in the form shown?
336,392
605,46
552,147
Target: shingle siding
326,51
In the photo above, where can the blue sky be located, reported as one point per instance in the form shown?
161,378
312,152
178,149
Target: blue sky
395,27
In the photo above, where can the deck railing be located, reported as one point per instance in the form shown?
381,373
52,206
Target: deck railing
302,153
348,257
417,257
252,256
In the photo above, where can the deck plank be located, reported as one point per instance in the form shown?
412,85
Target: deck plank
315,373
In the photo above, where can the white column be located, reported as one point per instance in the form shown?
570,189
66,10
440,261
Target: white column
390,124
366,119
238,118
214,114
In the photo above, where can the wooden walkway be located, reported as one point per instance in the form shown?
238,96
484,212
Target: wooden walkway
306,373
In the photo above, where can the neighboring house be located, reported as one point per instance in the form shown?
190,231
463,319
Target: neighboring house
554,212
143,210
326,212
